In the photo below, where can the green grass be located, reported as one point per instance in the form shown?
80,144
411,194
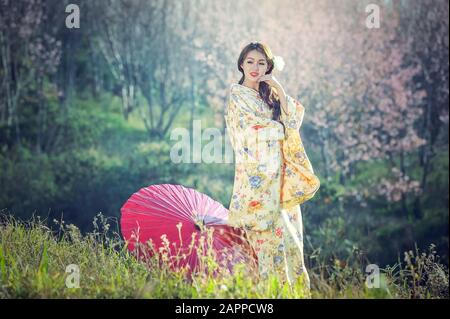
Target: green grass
34,258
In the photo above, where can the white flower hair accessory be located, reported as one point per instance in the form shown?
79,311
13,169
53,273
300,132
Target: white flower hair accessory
278,62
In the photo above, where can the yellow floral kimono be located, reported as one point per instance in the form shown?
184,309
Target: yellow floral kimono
272,170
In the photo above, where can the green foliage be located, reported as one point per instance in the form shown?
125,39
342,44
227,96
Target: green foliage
101,160
337,220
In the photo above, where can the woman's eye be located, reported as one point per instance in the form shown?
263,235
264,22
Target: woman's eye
250,62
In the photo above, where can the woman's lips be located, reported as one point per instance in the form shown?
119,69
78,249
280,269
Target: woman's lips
254,74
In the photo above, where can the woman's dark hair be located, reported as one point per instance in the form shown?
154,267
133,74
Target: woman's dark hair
265,91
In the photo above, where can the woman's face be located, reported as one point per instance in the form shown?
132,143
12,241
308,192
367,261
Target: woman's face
254,65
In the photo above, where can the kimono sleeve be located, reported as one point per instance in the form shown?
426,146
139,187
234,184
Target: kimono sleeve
296,112
299,182
244,123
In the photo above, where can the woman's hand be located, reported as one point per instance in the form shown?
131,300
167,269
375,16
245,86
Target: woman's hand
272,81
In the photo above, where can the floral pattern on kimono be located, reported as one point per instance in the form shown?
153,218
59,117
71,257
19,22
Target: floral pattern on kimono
256,140
281,251
272,170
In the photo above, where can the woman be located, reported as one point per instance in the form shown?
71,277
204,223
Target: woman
273,175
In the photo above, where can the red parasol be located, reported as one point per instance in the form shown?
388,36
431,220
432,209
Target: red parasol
156,210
